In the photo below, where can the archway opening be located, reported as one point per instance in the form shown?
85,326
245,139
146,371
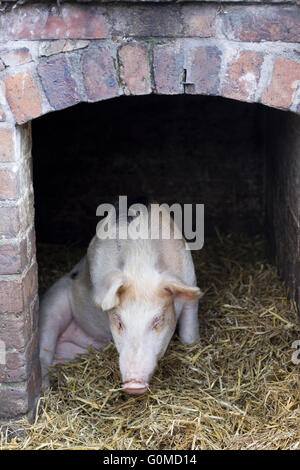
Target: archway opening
229,156
186,149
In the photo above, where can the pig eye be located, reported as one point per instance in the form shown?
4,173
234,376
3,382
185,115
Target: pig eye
157,322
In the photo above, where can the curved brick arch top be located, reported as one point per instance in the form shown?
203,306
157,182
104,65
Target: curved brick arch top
52,58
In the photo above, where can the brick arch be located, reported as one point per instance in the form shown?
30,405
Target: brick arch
52,58
60,57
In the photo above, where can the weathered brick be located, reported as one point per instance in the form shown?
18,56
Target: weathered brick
199,20
144,21
18,363
10,222
31,244
65,22
135,69
13,57
58,83
34,312
26,138
15,330
9,184
26,175
30,284
20,398
203,70
26,211
13,399
11,296
13,257
242,76
168,69
7,145
49,48
262,23
99,74
23,96
285,80
34,386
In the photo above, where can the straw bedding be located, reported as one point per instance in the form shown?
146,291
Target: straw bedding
237,389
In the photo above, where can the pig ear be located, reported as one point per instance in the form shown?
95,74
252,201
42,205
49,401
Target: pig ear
111,298
181,290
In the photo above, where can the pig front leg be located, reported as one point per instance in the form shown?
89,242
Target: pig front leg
189,323
54,317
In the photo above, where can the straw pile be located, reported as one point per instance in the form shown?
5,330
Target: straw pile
237,389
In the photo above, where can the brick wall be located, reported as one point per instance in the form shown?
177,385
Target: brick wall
283,194
19,376
55,57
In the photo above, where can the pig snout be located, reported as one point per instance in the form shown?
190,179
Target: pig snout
136,387
136,367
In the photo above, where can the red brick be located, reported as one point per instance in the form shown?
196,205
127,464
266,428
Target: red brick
9,184
26,139
15,330
49,48
10,223
11,296
13,257
262,23
204,69
13,57
135,69
20,398
168,69
99,74
242,76
34,387
7,145
285,80
18,363
31,244
14,400
30,284
23,96
146,21
34,312
58,83
199,20
65,22
27,211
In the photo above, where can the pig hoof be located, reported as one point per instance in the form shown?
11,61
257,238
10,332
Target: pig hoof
135,387
189,340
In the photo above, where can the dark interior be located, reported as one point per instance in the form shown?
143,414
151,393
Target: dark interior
185,149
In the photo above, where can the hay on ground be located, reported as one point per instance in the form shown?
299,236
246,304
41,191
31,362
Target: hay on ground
238,389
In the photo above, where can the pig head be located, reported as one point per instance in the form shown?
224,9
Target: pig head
135,291
143,303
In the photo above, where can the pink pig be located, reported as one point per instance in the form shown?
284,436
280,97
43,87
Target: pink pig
133,291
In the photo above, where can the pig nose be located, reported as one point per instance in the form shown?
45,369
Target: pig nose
135,387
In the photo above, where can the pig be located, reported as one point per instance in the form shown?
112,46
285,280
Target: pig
134,291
